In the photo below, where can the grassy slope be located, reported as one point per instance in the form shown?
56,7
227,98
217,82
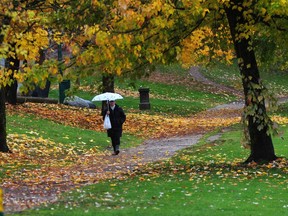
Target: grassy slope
230,76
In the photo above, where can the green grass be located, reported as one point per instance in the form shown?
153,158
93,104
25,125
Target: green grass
202,180
72,136
229,75
180,100
276,81
172,69
164,98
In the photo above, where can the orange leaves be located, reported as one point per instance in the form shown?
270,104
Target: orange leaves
86,118
206,42
34,151
140,124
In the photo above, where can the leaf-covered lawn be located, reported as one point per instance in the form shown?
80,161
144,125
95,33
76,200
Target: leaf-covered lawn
140,124
202,180
41,167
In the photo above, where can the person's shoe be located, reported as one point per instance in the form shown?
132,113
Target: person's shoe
116,152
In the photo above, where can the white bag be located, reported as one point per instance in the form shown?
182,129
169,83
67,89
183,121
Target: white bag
107,123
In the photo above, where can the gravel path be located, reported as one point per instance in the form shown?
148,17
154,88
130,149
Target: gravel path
198,76
154,150
21,195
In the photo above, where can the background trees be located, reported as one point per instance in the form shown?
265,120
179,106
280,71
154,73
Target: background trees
138,33
23,33
127,37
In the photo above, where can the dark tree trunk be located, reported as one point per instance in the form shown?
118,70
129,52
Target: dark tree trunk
42,92
262,148
3,142
107,86
11,90
108,83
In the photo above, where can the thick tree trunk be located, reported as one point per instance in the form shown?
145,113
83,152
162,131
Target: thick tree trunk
107,86
11,90
42,92
3,142
108,83
262,148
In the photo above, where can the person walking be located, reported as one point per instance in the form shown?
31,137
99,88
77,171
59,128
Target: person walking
117,119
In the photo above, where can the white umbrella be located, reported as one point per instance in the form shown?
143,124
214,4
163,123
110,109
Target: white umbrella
107,96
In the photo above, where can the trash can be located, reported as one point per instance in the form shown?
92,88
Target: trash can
144,99
63,86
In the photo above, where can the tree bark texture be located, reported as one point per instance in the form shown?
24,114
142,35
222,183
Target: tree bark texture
262,148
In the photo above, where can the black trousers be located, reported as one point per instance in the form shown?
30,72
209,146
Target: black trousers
115,142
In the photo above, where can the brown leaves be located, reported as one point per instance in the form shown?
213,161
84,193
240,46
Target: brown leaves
35,151
143,125
43,168
81,117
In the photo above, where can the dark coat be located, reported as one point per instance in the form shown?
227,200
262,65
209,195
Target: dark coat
117,118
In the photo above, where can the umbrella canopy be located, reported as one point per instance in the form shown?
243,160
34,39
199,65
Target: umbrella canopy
107,96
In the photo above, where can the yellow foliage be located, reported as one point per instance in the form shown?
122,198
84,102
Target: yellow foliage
101,38
201,44
91,31
1,201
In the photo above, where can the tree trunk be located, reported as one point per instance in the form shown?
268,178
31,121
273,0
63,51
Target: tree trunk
107,86
42,92
11,90
108,83
3,142
262,149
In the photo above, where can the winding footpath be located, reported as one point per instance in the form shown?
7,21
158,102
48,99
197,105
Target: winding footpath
20,195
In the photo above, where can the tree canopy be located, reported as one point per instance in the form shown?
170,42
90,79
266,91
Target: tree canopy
122,37
139,33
